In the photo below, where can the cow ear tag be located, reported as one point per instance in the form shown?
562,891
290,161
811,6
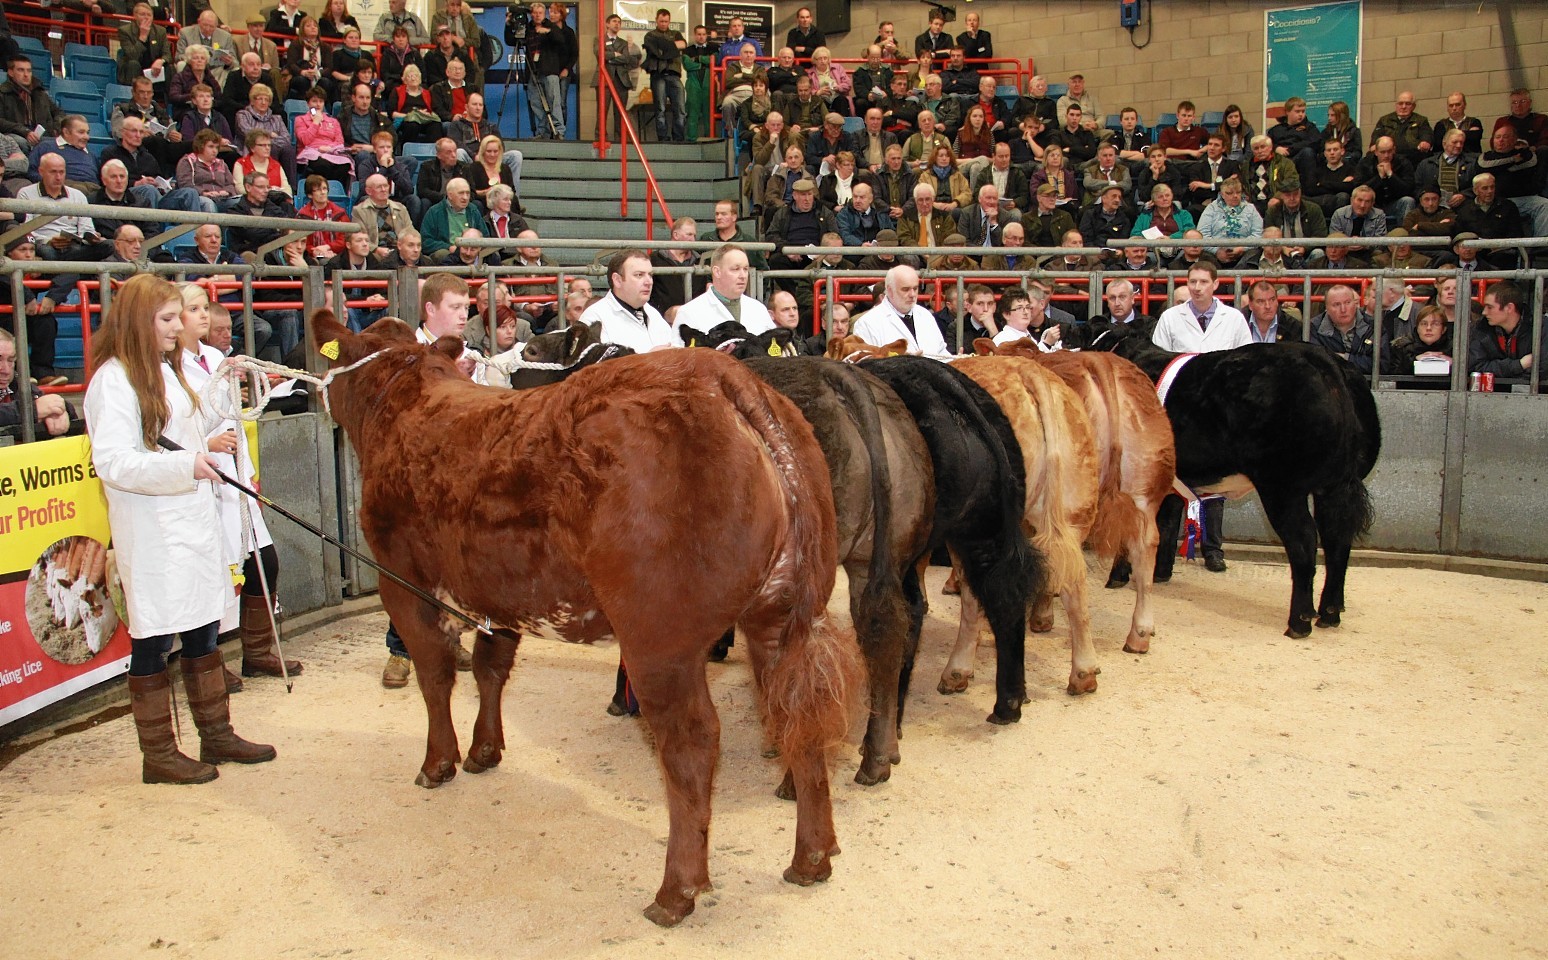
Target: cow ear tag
330,350
693,341
774,350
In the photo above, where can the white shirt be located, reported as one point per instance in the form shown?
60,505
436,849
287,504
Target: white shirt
621,326
1010,335
77,227
230,497
424,337
706,311
1178,330
883,324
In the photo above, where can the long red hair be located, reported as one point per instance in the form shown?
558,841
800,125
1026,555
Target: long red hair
128,335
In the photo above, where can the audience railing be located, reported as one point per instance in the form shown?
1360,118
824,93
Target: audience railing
608,92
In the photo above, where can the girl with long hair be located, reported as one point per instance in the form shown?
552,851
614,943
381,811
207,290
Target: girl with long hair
1236,132
165,522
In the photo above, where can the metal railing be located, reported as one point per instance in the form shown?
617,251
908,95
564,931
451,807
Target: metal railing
606,91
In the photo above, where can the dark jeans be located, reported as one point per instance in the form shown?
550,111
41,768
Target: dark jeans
666,88
395,644
1169,521
252,586
42,331
148,656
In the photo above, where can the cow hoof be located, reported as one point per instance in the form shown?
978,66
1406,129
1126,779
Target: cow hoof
1161,578
1116,583
1004,715
432,779
1329,619
872,772
481,758
954,681
802,878
1299,631
786,788
1136,644
615,709
665,917
1040,624
1082,682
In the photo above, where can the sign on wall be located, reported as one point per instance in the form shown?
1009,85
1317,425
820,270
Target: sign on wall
1312,52
757,19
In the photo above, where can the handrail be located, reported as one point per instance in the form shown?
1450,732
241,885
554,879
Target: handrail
605,89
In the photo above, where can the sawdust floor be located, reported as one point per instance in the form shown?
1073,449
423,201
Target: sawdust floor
1372,791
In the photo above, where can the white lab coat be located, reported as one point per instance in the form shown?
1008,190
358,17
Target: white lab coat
882,324
1178,331
165,524
705,312
622,327
230,498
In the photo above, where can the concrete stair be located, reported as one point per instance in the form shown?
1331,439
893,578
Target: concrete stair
570,192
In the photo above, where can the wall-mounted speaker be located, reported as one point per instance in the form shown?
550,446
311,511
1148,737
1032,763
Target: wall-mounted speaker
832,16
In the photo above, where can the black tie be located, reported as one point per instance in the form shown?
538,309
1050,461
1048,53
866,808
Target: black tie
908,321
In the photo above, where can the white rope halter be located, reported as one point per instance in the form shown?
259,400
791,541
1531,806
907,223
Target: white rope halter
504,364
222,393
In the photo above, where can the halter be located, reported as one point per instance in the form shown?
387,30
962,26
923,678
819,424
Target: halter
221,398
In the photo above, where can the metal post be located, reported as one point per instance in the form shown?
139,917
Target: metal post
23,376
961,309
1537,335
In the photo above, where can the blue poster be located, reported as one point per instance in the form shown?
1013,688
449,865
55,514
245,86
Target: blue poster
1313,53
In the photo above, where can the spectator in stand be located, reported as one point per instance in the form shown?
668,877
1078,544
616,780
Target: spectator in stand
42,326
895,183
996,114
260,159
1013,241
1038,102
195,73
1296,137
383,218
663,62
467,38
335,22
1064,181
257,200
880,261
831,82
1333,179
164,140
1230,217
50,412
1159,170
1346,330
116,193
503,221
1391,175
412,111
1031,142
1410,131
887,39
320,141
371,306
1131,140
1107,220
66,238
1448,171
1122,307
1051,221
25,105
860,220
207,174
835,187
201,116
778,191
672,290
1078,143
1208,174
952,189
920,148
207,250
1399,312
871,143
445,221
1103,172
259,115
975,42
1079,96
957,78
1341,257
1361,217
237,92
1490,217
1431,339
982,223
1296,219
254,42
736,36
1267,321
409,252
1430,218
801,224
1529,126
142,168
975,142
449,98
81,170
396,57
1401,255
1236,133
1189,256
1009,180
1162,213
285,20
1184,141
1268,172
1516,175
360,122
770,144
871,80
323,246
740,75
783,76
805,111
345,61
1456,118
946,109
142,46
623,57
727,230
1341,128
306,61
488,169
924,224
1501,342
219,50
900,111
935,40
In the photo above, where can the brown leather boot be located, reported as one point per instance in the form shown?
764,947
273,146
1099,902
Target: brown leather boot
258,646
151,699
212,714
233,682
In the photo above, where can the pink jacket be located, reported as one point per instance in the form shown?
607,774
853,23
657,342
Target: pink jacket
320,136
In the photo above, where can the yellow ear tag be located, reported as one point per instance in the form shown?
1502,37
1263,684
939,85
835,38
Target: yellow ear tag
774,350
330,350
893,353
693,341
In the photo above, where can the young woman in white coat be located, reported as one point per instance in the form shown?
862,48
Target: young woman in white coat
199,361
165,525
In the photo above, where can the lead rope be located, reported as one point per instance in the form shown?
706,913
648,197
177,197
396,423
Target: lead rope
228,402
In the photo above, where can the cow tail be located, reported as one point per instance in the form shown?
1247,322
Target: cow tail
1370,419
1348,506
1062,519
880,606
1118,516
812,681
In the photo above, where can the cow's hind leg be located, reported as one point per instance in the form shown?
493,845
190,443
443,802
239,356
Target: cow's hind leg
431,644
1143,549
1083,665
1342,514
881,624
958,672
1292,521
493,655
675,700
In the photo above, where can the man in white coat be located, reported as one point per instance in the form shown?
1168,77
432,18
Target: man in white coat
900,317
626,315
1201,324
725,301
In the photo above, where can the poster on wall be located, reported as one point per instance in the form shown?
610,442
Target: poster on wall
60,622
639,18
1312,52
757,20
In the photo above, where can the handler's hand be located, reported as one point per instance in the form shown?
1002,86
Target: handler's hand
204,468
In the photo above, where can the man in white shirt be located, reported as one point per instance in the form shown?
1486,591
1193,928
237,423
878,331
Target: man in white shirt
626,315
66,238
1202,324
726,299
900,317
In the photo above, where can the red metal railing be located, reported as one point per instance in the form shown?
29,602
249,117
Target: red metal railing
606,91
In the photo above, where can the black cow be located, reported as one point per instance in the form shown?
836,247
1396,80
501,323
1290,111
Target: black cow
1292,420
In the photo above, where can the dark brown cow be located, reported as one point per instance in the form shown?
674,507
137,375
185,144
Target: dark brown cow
565,508
1135,454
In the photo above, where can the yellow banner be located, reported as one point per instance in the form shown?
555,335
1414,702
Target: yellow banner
48,490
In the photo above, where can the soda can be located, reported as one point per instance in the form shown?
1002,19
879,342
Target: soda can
1486,382
1475,382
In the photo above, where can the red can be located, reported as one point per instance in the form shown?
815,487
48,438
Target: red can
1486,383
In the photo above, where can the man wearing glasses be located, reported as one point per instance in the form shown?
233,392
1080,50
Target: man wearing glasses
1531,127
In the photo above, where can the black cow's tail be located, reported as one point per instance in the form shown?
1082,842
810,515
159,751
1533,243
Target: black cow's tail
880,605
1351,505
1369,418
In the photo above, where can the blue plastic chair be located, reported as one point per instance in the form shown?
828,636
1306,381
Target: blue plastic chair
80,87
85,50
419,151
87,106
30,44
42,67
1057,90
99,71
854,124
1212,119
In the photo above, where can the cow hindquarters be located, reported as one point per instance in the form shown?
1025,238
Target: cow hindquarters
1291,519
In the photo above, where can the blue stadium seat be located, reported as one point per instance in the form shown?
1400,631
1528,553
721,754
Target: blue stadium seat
340,195
30,44
87,106
854,124
116,93
1057,90
419,151
81,87
1212,119
100,71
1113,122
42,67
97,145
85,50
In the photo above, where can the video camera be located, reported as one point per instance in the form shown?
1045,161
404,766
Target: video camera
517,21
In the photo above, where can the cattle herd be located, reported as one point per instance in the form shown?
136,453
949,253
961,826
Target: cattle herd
662,499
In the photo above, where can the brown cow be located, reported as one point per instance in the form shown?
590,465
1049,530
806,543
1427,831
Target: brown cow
1060,457
564,507
1135,452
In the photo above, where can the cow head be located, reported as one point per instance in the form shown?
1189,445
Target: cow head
853,349
362,389
574,347
1023,347
778,342
342,346
719,335
1096,335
